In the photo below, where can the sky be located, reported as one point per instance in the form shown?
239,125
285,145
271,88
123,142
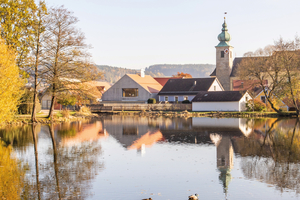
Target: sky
135,34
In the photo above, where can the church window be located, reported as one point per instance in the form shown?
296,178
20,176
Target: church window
222,54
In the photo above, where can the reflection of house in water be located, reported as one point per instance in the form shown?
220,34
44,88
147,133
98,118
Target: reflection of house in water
88,132
134,132
198,130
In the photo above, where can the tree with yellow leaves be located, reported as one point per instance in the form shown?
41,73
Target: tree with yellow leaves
10,84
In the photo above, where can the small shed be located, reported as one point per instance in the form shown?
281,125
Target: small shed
220,101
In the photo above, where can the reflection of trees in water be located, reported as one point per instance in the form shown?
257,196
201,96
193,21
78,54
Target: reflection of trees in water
18,136
11,174
67,172
282,175
272,156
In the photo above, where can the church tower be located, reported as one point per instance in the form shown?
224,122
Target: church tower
224,58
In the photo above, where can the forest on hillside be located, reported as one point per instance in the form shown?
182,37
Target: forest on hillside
113,74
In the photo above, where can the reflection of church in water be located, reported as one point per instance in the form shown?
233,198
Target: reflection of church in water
141,133
224,159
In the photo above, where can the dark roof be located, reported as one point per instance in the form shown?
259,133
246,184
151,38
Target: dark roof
214,73
186,85
235,64
163,80
217,96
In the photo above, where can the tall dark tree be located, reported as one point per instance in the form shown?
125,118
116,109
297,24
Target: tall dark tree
38,49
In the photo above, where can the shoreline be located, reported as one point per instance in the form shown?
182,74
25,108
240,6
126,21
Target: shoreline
22,120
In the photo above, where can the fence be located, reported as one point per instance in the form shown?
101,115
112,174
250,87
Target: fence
139,107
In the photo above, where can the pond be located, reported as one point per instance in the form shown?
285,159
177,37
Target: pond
133,157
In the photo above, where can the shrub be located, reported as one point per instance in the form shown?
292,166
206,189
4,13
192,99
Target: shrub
85,109
26,108
186,101
65,113
151,101
255,105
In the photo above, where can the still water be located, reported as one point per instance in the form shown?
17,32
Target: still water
134,158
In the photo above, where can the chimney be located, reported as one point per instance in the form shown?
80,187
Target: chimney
142,73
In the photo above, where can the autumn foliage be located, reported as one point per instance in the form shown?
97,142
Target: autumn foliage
10,84
11,175
183,75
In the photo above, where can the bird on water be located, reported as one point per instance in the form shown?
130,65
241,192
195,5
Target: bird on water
194,197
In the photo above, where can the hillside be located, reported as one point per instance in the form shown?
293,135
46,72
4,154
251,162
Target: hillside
113,74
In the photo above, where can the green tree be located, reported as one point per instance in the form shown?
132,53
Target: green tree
66,99
16,20
10,84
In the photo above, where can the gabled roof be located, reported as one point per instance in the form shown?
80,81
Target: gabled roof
147,82
187,86
248,85
164,80
217,96
235,64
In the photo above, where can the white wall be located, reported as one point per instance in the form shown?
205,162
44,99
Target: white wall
215,122
242,103
218,87
216,106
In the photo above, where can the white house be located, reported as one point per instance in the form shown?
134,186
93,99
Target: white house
177,90
220,101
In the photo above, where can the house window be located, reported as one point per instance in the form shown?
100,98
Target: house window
246,98
263,99
215,88
166,98
230,54
222,54
130,92
186,98
176,99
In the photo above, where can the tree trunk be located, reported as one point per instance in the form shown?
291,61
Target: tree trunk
55,159
51,110
33,115
36,159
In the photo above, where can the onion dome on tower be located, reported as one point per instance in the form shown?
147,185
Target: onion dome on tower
224,37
